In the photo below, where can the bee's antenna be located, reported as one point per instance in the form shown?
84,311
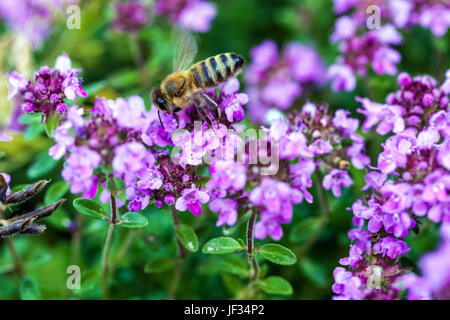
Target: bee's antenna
160,121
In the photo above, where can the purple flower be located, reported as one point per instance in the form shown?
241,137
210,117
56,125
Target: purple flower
227,209
436,18
276,80
305,64
192,14
64,141
391,247
385,61
301,176
354,258
197,16
268,225
231,101
140,198
335,179
342,78
4,136
152,179
344,29
277,198
435,280
227,176
130,161
130,16
31,18
50,88
390,117
192,199
79,170
346,285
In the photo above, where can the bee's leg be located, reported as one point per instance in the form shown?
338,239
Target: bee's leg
212,107
159,116
204,116
175,115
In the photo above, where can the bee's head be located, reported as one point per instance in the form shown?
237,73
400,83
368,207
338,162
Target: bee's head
159,101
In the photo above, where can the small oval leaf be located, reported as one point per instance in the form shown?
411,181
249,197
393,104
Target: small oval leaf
275,285
133,220
221,245
90,208
187,237
305,229
56,192
277,254
42,165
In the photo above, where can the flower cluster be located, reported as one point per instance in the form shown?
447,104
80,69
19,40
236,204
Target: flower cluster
430,14
33,18
275,80
191,14
196,141
168,184
358,51
434,283
290,152
130,16
411,180
172,179
50,89
107,138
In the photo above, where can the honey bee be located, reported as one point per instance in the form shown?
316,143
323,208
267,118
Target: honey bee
186,84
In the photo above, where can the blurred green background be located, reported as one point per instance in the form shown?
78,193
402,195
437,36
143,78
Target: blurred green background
110,68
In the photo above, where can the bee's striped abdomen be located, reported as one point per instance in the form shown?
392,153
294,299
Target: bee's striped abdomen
214,70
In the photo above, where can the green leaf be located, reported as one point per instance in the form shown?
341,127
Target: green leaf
117,187
32,131
278,254
51,124
29,290
133,220
187,237
275,285
29,118
56,192
233,264
90,208
305,229
221,245
159,265
315,272
42,165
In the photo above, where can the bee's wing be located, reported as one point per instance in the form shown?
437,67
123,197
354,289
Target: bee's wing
185,49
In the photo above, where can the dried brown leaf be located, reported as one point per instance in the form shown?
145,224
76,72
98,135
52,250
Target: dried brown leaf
27,192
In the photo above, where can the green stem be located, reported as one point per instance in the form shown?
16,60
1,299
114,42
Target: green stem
76,239
107,249
179,262
322,194
250,245
125,246
137,51
18,266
